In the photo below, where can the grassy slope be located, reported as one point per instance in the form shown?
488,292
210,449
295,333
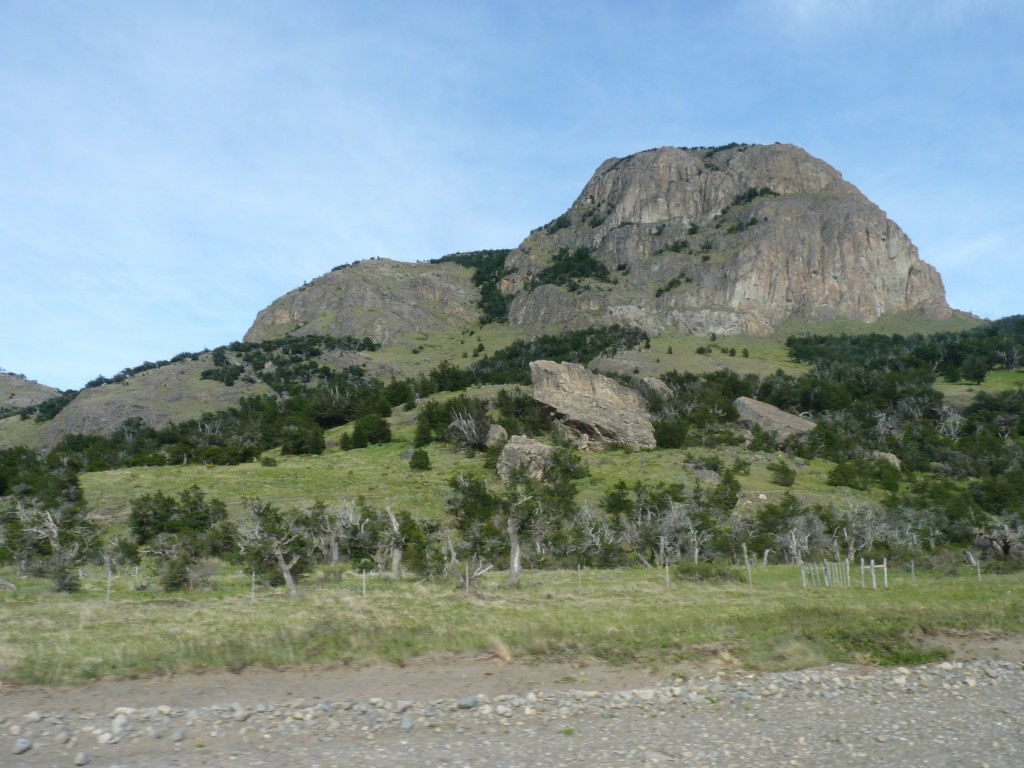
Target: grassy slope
379,474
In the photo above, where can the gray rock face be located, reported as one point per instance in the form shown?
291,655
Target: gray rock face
593,406
379,298
689,247
521,452
890,458
771,418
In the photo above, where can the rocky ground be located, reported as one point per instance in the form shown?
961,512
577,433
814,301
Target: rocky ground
477,713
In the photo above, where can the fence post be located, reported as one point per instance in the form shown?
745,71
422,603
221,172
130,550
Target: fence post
874,581
803,575
913,578
885,572
746,561
862,573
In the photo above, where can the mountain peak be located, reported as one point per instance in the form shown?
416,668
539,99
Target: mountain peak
731,239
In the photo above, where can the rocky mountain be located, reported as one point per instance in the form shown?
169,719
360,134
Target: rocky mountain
18,392
726,240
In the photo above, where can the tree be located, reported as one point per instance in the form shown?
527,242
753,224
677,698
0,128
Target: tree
65,537
178,531
270,540
304,437
43,519
975,368
370,429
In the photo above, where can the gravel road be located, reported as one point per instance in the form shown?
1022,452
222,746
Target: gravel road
949,714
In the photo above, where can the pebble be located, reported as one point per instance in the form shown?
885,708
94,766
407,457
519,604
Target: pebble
494,720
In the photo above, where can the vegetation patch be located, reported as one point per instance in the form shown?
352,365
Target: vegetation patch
569,267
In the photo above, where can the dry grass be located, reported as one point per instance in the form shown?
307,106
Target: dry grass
621,617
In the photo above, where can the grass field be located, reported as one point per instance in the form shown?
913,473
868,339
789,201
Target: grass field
626,617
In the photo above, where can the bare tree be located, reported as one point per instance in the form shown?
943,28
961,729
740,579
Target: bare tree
592,531
65,532
329,528
393,543
1003,534
516,517
468,431
951,423
270,535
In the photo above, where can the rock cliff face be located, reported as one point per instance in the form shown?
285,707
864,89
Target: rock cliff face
378,298
730,240
592,408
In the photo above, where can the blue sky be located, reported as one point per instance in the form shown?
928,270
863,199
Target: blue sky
168,169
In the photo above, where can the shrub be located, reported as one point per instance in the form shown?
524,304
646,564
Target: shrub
369,430
307,438
419,461
782,473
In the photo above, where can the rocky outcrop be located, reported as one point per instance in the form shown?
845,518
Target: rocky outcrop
379,298
593,407
731,240
496,435
521,452
768,417
726,240
889,458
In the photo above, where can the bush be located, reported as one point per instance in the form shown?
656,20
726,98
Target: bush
782,473
420,461
305,438
371,429
65,578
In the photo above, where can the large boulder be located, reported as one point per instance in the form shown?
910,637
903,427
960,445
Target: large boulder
496,435
520,452
754,412
593,408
